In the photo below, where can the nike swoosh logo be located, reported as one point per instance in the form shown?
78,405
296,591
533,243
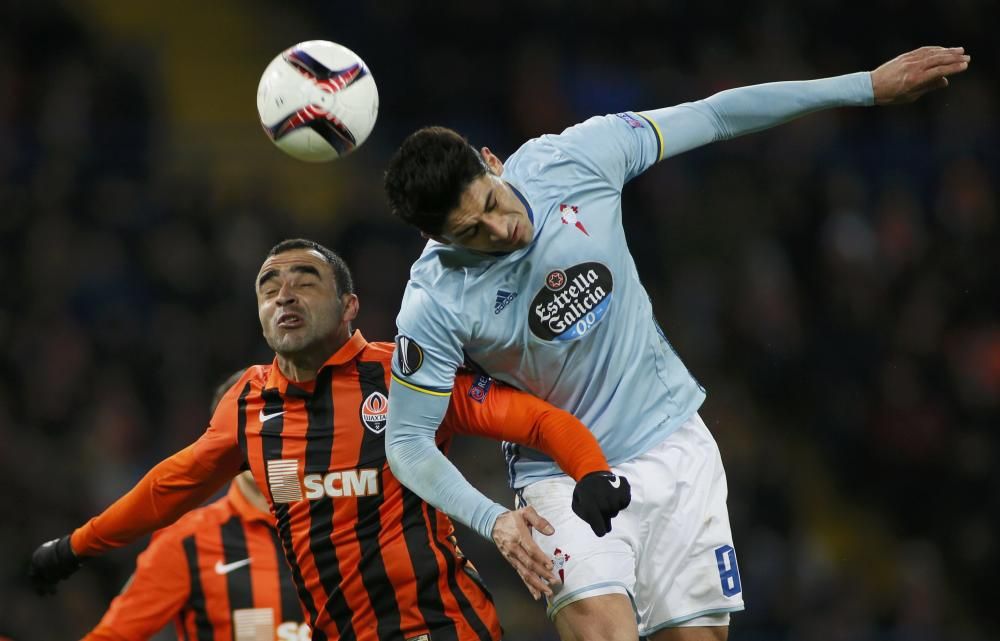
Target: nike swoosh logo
616,483
226,568
267,417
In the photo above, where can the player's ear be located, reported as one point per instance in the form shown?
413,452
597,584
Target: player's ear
492,162
351,307
440,239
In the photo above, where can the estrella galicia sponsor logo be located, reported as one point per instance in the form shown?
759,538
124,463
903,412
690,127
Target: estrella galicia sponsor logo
480,388
375,412
504,298
572,302
409,355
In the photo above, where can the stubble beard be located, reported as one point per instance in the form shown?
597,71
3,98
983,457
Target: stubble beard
290,345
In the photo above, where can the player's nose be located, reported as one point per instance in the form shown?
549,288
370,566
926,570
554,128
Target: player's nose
497,229
286,295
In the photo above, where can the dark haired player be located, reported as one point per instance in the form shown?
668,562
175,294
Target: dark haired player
529,276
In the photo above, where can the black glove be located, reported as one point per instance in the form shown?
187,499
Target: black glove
599,497
52,562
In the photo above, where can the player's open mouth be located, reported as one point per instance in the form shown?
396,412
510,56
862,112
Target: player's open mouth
290,321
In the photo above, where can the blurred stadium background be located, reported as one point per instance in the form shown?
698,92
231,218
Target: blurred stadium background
833,283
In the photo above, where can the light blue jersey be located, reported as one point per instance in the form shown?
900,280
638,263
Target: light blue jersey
566,318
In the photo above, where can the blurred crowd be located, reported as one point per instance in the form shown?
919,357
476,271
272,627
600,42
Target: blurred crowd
832,283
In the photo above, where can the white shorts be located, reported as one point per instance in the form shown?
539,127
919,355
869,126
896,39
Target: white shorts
671,551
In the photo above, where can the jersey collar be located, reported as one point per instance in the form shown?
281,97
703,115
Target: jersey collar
347,352
524,201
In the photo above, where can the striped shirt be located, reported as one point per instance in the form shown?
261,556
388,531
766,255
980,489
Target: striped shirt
219,574
369,559
339,508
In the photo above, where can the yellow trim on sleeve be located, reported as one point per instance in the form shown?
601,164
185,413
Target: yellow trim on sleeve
419,389
656,128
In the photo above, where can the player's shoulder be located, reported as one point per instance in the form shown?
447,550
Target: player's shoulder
543,166
253,380
378,351
542,147
437,282
443,266
255,375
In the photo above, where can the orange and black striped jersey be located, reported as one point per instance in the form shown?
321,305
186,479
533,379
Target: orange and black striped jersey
370,560
219,573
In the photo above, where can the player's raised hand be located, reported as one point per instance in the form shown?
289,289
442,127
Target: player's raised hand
512,535
52,562
910,75
599,497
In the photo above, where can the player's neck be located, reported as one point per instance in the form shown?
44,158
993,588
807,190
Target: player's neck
250,492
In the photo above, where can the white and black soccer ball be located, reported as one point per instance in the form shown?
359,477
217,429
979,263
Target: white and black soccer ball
317,101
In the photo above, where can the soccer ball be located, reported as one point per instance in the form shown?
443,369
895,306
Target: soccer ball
317,101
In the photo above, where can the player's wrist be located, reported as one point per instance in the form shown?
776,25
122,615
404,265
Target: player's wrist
490,521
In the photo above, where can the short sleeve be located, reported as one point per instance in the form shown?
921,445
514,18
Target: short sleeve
429,342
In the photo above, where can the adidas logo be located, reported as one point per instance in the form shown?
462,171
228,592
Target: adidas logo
503,299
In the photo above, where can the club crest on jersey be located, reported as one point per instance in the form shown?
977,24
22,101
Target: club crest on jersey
409,355
375,411
480,388
568,213
572,302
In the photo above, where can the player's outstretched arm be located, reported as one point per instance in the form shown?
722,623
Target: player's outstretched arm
745,110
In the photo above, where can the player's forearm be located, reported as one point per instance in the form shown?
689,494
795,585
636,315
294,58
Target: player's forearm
419,465
568,441
168,491
745,110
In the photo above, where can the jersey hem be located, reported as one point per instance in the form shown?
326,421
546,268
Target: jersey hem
520,479
687,617
606,587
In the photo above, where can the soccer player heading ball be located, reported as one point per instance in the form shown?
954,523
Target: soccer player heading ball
528,276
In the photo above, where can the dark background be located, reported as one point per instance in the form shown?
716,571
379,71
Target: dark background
832,282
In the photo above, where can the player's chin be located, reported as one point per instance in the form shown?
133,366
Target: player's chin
289,341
